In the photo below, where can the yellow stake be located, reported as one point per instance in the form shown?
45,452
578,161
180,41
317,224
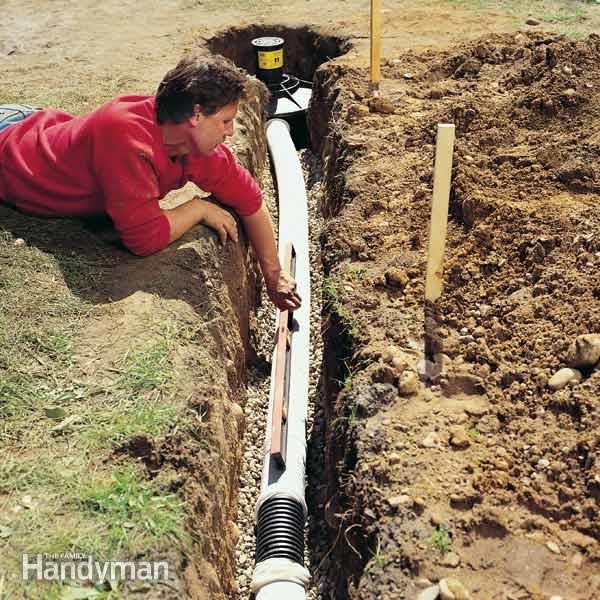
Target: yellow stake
439,211
375,43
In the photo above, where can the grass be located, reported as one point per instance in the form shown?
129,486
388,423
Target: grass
333,299
347,422
377,556
138,512
441,540
473,433
58,489
71,96
562,16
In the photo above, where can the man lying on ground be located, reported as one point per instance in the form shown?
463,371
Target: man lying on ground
122,158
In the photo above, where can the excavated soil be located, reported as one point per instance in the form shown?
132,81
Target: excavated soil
487,475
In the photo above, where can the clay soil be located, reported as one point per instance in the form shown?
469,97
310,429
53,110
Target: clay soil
486,476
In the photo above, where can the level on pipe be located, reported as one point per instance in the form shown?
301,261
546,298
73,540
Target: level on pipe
281,385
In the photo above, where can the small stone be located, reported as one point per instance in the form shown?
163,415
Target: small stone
235,532
484,309
394,458
396,277
501,464
543,464
478,332
419,503
430,593
584,351
459,439
451,560
564,377
431,440
423,582
408,76
567,69
553,547
452,589
408,382
532,21
397,501
379,104
357,111
237,412
19,242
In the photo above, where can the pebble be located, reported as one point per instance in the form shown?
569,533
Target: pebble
394,458
459,439
396,277
451,560
532,21
237,412
430,593
419,503
584,351
379,104
452,589
408,382
478,332
553,547
19,242
431,440
408,76
397,501
564,377
543,463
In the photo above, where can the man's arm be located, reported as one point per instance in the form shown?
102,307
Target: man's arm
194,211
281,286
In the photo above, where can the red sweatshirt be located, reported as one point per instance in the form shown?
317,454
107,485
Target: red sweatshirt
112,160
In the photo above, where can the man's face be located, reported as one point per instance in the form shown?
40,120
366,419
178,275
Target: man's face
207,132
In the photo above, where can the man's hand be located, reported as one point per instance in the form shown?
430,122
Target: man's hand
219,220
282,292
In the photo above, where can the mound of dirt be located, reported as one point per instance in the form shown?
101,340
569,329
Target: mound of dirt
490,475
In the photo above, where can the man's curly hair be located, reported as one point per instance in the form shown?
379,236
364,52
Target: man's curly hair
210,81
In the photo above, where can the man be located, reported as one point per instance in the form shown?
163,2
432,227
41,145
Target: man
125,156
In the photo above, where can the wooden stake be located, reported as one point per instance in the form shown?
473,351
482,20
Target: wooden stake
375,43
437,241
439,211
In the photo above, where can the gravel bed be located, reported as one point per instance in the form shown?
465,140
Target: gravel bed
258,381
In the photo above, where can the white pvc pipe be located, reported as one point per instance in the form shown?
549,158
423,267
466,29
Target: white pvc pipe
293,227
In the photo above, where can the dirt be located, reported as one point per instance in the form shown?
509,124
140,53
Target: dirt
521,277
506,465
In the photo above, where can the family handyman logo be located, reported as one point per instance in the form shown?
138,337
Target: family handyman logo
81,567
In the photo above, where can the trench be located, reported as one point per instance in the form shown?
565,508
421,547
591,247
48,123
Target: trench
330,346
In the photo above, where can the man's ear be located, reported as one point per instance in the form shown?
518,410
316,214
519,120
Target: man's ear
196,114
